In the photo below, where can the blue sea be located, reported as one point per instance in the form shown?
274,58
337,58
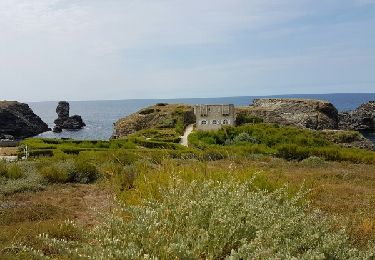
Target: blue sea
100,116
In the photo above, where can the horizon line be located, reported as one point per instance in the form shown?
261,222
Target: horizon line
244,96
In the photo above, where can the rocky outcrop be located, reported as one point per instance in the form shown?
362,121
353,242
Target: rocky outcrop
360,119
349,139
158,116
64,121
17,120
305,113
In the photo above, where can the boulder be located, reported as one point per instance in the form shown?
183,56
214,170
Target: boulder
304,113
64,121
360,119
17,120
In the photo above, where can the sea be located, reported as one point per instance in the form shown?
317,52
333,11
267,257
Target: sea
101,115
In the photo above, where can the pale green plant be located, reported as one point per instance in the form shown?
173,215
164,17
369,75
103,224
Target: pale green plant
27,179
215,220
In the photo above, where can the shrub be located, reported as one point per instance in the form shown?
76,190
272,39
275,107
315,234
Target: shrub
147,111
215,220
27,179
242,119
10,170
60,172
78,170
41,153
3,168
292,152
84,172
15,171
314,161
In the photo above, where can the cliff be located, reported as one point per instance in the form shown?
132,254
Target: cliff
305,113
360,119
159,116
18,120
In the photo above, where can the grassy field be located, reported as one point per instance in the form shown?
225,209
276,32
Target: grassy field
121,187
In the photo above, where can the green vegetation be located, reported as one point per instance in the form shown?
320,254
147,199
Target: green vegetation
215,220
253,191
285,142
243,118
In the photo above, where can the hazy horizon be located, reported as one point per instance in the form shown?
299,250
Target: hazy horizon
217,97
111,50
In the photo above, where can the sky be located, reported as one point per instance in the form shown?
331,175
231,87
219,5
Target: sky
125,49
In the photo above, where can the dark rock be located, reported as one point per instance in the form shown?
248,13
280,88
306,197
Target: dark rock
305,113
57,129
360,119
62,110
19,121
7,137
64,121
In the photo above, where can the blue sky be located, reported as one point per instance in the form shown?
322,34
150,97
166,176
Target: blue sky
120,49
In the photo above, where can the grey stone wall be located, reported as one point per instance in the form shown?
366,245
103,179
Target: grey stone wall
213,117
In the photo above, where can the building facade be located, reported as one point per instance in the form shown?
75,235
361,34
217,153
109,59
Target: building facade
213,117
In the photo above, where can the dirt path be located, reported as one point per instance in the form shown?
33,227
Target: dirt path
184,138
8,153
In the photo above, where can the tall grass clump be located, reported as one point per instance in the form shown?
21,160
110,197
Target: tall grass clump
19,177
215,220
10,170
77,170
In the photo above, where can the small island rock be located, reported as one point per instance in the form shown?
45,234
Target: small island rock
64,121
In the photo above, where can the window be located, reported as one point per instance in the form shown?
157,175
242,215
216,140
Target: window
215,122
203,122
225,122
225,110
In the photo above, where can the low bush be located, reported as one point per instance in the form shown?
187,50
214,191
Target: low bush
41,153
147,111
215,220
57,172
242,119
292,152
84,172
10,170
19,177
77,171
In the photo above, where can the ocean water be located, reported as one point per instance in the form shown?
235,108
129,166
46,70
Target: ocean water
100,116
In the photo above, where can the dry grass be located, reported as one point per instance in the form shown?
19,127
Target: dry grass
8,151
26,215
344,191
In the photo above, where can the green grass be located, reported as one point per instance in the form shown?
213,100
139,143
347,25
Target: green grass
285,142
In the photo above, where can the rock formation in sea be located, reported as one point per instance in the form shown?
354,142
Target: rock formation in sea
305,113
360,119
17,120
160,116
64,121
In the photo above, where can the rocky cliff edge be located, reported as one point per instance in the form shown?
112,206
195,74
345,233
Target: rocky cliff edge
305,113
158,116
18,120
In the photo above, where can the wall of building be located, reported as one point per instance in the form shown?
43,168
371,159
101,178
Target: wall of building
213,117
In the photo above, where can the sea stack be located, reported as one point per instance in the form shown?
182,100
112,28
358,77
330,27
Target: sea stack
64,121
